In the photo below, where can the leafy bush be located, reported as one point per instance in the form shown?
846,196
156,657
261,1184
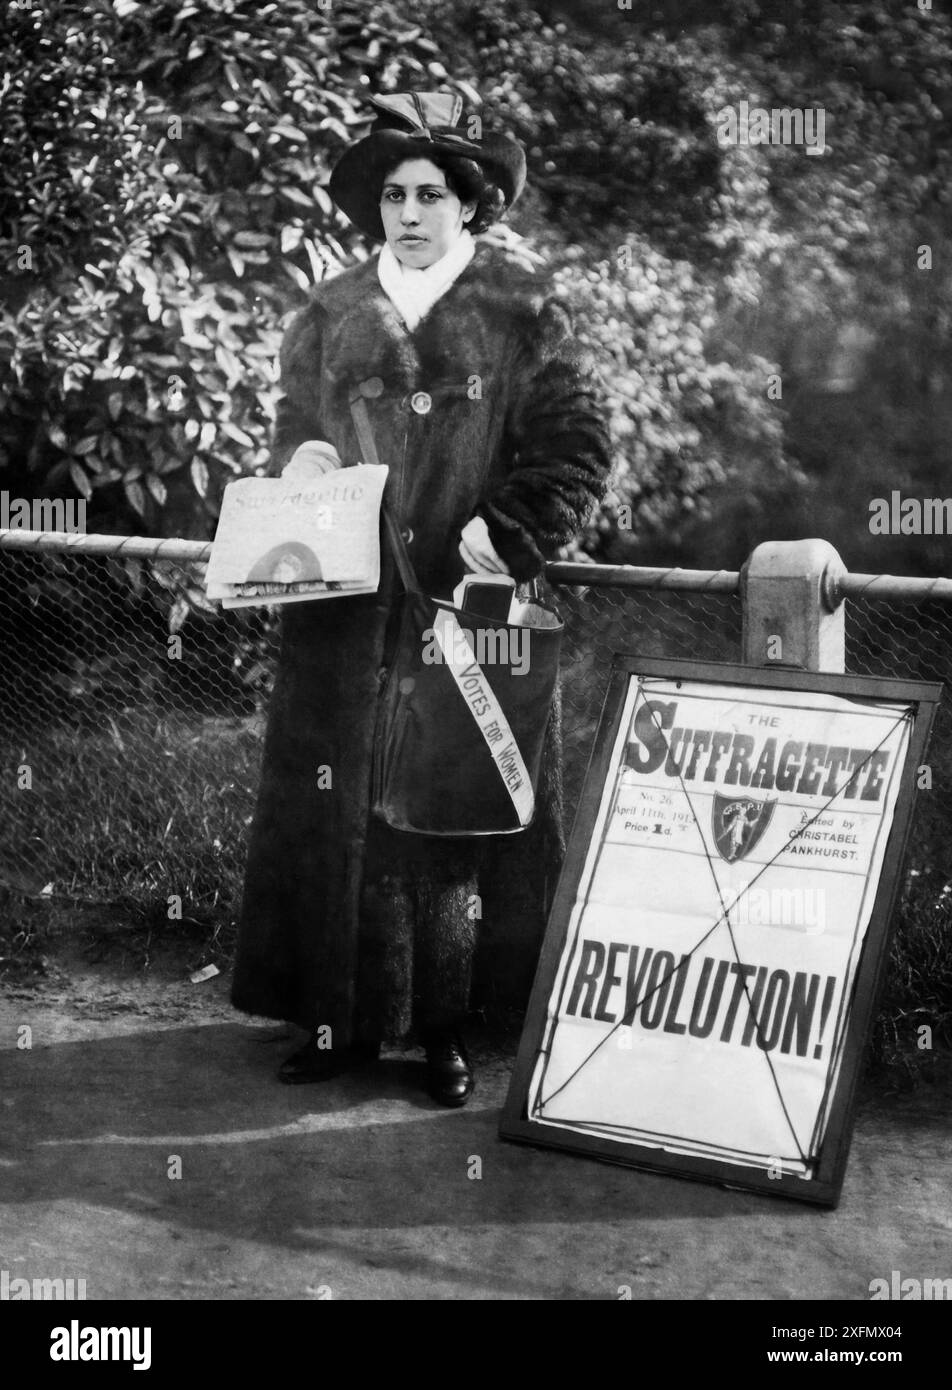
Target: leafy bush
159,218
136,363
654,234
802,261
163,205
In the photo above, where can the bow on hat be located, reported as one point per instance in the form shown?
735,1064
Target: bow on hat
428,113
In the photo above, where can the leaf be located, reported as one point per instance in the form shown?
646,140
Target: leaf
158,489
146,277
318,266
297,275
469,92
253,239
294,195
136,496
336,247
199,472
82,483
134,569
230,365
177,614
57,436
239,436
86,445
338,127
291,131
182,15
178,264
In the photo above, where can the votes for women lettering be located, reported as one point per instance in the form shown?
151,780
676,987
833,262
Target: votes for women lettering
702,997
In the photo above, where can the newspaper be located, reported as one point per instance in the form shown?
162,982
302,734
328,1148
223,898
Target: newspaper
284,540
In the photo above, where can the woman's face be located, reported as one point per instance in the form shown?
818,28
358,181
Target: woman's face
421,216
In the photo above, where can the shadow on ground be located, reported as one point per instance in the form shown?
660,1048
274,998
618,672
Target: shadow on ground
364,1187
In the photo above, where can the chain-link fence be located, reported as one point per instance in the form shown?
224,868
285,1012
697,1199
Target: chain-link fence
132,714
598,622
132,749
132,722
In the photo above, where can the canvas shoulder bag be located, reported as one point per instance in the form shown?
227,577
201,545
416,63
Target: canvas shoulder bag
464,707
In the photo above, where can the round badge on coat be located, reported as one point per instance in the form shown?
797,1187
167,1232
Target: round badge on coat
421,403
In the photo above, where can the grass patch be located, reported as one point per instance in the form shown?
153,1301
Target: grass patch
147,818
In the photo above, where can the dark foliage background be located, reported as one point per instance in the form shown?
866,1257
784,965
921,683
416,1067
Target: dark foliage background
163,207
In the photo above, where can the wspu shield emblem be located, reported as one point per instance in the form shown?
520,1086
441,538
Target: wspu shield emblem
738,823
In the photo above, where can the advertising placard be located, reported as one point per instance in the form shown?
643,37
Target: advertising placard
710,965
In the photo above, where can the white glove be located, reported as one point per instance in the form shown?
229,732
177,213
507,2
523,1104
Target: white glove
477,550
310,460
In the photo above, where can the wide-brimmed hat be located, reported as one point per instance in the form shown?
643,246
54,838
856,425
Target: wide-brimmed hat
416,125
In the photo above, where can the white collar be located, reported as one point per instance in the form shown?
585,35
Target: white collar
413,292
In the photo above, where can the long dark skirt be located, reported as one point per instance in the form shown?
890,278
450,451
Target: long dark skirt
419,920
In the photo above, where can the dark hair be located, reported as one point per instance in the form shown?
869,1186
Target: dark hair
468,181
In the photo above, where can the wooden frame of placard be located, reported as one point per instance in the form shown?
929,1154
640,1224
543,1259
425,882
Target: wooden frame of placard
824,1186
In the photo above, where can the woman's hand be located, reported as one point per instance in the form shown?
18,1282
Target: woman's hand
477,550
312,459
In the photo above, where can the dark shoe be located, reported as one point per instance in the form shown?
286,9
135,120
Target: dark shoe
312,1063
449,1075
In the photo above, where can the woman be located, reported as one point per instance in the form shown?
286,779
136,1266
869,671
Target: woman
490,420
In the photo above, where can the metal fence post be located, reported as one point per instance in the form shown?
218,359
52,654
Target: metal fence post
793,610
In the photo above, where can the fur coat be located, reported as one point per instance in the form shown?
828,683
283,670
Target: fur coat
515,433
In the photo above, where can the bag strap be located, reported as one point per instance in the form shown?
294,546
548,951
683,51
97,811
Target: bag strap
481,700
365,436
452,639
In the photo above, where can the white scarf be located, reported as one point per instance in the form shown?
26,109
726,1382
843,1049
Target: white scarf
413,292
